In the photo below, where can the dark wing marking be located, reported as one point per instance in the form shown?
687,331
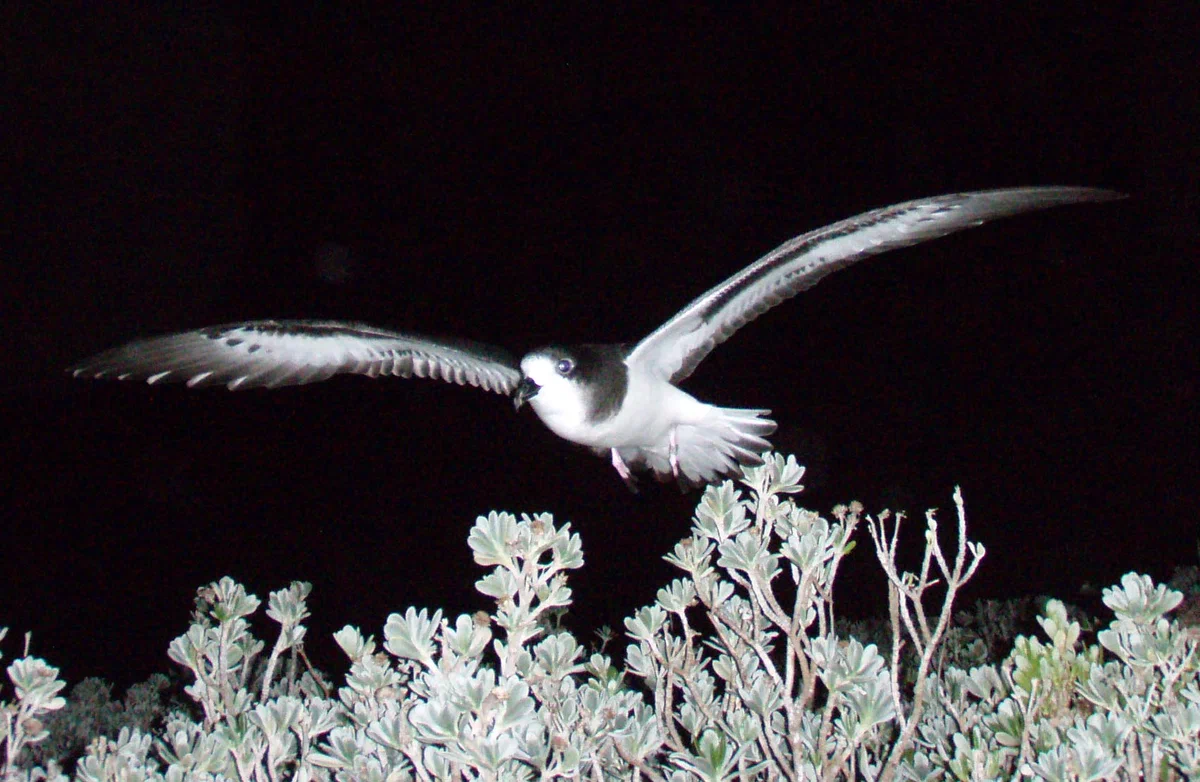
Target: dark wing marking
272,353
676,347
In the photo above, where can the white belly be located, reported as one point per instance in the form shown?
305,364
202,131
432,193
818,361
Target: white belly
651,409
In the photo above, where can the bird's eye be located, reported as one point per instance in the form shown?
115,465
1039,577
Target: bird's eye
564,366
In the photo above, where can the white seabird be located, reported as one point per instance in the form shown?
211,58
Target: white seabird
620,400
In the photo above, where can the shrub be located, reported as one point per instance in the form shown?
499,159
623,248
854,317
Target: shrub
739,670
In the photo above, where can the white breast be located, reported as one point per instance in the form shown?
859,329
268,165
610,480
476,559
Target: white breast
651,408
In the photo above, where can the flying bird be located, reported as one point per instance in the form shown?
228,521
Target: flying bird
622,401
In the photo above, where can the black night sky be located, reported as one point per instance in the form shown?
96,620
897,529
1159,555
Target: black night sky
578,174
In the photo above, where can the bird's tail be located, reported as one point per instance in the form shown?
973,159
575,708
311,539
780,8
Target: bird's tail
738,434
721,445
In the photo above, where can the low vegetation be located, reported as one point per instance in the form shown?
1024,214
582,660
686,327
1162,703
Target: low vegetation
739,670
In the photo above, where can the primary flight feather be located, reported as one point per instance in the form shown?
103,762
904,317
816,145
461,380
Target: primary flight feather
622,402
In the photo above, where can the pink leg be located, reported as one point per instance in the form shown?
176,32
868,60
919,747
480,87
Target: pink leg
673,456
623,470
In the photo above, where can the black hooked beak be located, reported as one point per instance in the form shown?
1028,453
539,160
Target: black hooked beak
526,390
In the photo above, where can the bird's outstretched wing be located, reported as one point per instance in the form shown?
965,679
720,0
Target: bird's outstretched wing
675,348
272,353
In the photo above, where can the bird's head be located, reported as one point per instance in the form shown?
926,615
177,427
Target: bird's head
573,389
550,379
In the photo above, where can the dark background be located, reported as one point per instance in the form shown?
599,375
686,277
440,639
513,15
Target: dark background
519,177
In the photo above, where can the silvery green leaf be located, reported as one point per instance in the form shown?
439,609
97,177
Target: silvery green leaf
367,768
411,636
288,606
1007,724
748,553
641,663
1034,663
593,699
725,667
515,619
340,749
691,719
743,727
371,675
790,474
565,708
570,758
974,759
124,758
763,696
1058,627
1100,691
469,693
277,717
522,662
841,666
489,753
713,760
749,662
985,683
435,722
1046,736
872,703
321,717
1111,730
293,636
436,762
558,656
1187,761
499,584
557,594
492,538
232,600
646,623
517,707
808,727
243,735
568,549
176,740
1139,600
37,684
1178,723
186,650
770,509
1142,644
739,612
352,643
919,768
799,520
1094,760
532,743
935,732
677,596
862,662
601,668
812,548
721,513
715,591
774,476
467,637
692,556
701,688
1054,765
641,737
